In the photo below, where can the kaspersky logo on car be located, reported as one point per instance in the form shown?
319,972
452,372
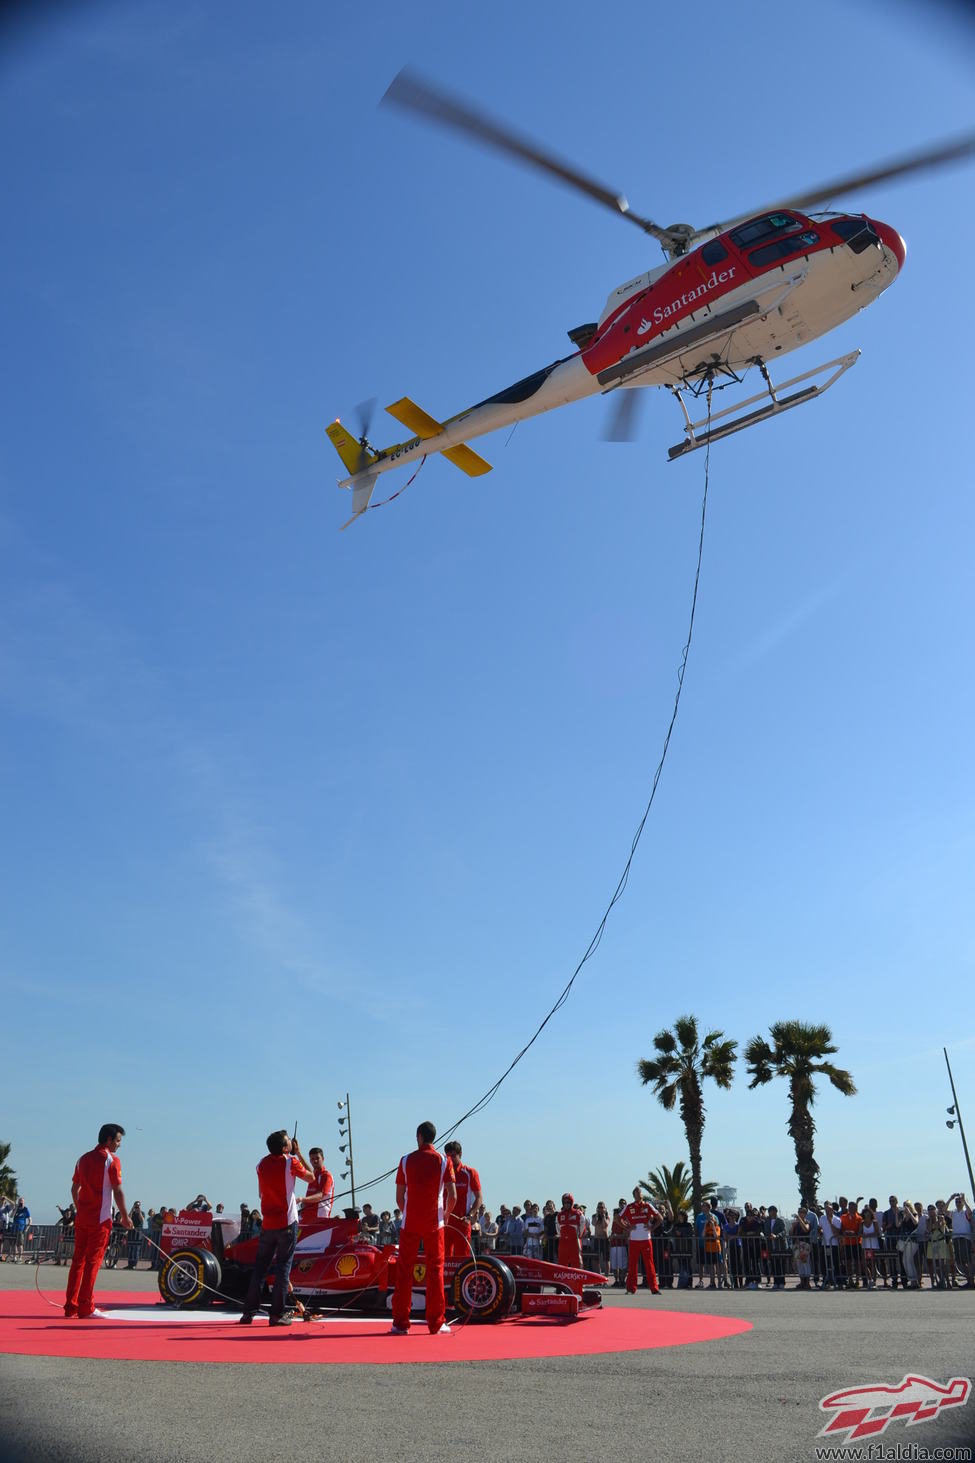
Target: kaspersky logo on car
866,1412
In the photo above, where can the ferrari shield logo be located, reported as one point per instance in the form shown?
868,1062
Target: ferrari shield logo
419,1272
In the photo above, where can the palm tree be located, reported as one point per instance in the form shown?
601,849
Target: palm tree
797,1053
678,1069
673,1186
8,1179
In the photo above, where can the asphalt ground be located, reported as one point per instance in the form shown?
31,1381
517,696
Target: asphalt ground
753,1397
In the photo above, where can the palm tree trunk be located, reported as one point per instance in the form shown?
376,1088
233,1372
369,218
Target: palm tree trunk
802,1128
692,1116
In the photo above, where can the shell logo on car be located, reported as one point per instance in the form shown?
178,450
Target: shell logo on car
347,1265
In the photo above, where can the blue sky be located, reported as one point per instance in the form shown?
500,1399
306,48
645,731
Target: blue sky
290,812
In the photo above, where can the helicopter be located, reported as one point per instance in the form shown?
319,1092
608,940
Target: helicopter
729,297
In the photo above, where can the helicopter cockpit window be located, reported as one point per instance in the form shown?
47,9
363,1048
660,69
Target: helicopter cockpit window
859,233
847,227
761,228
713,252
781,248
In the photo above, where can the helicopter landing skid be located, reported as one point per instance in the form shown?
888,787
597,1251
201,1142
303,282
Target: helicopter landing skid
774,404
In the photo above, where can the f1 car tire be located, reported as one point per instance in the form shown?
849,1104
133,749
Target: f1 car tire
483,1289
185,1276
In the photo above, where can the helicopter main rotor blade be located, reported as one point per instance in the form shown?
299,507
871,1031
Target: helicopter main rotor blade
622,423
409,91
954,150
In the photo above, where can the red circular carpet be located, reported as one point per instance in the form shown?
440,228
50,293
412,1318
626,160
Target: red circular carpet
135,1329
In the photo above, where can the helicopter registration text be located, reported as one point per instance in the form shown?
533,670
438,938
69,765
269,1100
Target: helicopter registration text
664,312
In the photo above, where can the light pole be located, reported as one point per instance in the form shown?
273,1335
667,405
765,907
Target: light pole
345,1131
954,1115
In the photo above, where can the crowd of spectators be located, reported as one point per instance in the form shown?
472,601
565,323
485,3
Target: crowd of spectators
841,1244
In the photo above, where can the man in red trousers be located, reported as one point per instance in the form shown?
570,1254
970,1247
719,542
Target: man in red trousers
425,1192
637,1218
97,1181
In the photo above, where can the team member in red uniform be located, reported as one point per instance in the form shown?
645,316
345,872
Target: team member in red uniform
97,1181
637,1218
317,1203
276,1176
457,1234
570,1222
425,1192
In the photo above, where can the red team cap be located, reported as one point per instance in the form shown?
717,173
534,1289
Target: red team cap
567,1199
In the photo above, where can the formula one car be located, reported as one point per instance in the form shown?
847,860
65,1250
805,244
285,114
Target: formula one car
335,1268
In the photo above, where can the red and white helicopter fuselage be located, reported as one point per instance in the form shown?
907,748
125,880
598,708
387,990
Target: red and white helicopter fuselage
738,299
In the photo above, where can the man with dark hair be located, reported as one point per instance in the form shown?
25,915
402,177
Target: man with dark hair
317,1203
425,1192
276,1176
457,1235
638,1219
97,1181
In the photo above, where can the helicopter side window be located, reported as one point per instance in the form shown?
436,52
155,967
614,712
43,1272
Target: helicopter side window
760,228
713,252
781,248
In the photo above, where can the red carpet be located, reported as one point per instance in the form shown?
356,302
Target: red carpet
30,1327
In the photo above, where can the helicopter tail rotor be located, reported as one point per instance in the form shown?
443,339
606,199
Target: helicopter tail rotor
363,416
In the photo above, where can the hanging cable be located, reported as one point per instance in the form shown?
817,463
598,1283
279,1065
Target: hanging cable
594,943
383,501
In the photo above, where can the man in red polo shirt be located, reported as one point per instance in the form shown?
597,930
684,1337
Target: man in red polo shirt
276,1176
457,1232
317,1203
637,1218
97,1181
425,1192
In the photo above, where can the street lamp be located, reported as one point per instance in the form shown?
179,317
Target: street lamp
345,1131
954,1115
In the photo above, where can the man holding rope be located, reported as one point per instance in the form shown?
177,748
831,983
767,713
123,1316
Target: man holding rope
276,1176
97,1181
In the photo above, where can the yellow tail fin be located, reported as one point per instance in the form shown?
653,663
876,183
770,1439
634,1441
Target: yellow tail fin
349,448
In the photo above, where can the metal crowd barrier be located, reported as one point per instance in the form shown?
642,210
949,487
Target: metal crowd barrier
52,1244
680,1260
